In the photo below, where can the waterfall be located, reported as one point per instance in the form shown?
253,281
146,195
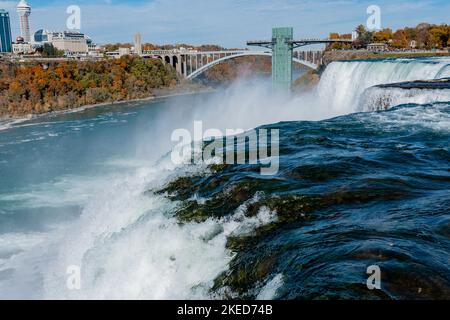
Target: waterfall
377,98
444,72
343,84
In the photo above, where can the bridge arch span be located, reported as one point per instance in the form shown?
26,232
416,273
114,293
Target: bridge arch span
209,65
175,61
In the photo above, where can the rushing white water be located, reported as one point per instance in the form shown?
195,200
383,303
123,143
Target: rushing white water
384,98
444,72
269,291
126,246
125,241
343,83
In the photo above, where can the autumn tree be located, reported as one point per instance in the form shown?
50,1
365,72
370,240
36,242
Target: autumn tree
383,35
400,39
30,88
441,36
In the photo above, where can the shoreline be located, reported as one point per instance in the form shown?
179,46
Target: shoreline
7,122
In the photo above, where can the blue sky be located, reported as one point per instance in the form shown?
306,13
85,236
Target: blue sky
226,22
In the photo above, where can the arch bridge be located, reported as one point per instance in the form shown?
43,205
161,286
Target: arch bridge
191,64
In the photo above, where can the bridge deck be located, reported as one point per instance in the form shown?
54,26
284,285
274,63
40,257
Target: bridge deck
301,41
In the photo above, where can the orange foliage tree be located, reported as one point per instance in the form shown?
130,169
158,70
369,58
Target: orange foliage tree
32,88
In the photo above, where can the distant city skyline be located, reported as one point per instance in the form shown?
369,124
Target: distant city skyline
229,23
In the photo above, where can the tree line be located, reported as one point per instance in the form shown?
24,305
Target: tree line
33,88
424,36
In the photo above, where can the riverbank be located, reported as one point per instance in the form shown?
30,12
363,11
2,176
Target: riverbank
35,88
185,90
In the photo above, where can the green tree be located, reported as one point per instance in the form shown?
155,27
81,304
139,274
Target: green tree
364,37
48,50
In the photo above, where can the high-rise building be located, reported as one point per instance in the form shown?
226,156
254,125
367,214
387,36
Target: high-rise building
137,44
5,32
24,11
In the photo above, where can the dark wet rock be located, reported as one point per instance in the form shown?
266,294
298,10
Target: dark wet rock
245,274
219,205
367,201
438,84
181,189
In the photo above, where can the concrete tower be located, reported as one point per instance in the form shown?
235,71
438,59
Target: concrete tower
137,44
282,58
24,11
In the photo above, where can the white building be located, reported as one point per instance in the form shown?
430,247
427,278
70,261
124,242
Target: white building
124,51
94,50
118,53
73,43
377,47
21,47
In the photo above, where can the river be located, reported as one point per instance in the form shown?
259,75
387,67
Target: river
360,183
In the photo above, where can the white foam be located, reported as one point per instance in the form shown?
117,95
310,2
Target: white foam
128,248
64,191
269,291
384,98
444,72
435,118
6,124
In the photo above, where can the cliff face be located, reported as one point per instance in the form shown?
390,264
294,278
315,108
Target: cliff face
306,82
